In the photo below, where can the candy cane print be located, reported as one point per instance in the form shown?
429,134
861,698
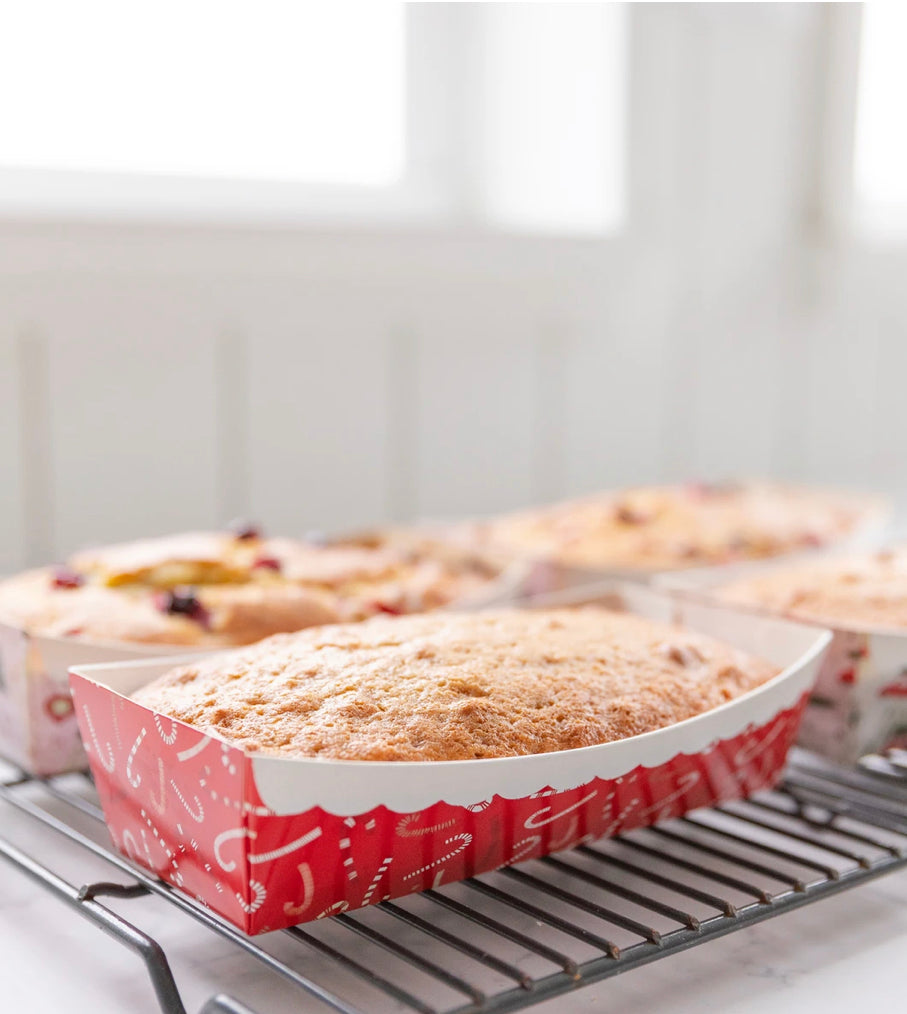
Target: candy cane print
376,879
406,831
264,857
555,845
685,782
308,890
620,818
338,906
225,759
159,804
345,846
170,737
465,840
199,816
116,727
524,847
196,748
258,889
110,763
534,822
136,781
158,837
234,832
750,751
130,846
261,857
175,873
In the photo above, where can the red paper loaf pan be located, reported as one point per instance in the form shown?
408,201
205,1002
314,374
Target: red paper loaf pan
268,842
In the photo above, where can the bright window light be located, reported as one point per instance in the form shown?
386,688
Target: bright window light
554,87
265,90
880,172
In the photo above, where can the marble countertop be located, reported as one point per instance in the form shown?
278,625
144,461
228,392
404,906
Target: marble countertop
835,955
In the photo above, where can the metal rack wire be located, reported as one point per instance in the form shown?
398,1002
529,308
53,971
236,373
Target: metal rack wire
510,939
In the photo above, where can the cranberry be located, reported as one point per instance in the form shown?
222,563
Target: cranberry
66,577
244,530
183,602
268,563
383,607
628,515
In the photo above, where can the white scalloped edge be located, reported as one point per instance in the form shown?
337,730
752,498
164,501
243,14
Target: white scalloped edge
347,788
350,788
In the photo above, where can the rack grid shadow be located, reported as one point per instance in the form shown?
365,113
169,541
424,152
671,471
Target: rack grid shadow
508,940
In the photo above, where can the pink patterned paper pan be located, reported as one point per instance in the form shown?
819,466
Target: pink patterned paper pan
859,703
38,728
268,842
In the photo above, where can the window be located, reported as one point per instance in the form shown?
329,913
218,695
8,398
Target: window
880,171
507,116
274,90
553,90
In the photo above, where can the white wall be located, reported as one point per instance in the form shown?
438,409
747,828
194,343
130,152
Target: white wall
154,378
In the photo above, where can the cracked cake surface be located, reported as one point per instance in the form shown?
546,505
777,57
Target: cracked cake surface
456,686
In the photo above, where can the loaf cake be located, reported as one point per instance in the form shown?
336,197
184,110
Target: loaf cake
456,686
670,527
230,588
854,592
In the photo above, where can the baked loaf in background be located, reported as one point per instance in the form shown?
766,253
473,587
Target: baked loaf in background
856,591
652,528
231,588
456,686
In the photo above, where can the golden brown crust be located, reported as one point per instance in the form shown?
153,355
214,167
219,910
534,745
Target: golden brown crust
228,590
663,528
866,590
186,559
456,686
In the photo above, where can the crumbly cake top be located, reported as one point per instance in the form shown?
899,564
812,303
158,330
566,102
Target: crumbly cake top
668,527
230,588
865,590
456,686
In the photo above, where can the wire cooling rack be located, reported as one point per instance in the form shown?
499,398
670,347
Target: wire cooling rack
507,940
